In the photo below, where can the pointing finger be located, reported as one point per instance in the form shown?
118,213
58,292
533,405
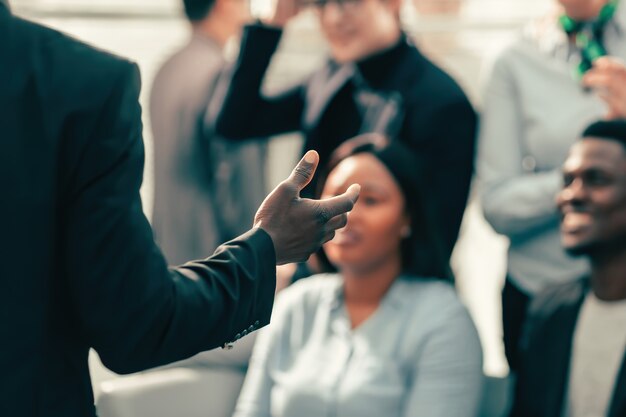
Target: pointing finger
596,79
340,204
337,222
328,236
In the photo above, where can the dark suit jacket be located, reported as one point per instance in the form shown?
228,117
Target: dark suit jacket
79,265
546,349
437,120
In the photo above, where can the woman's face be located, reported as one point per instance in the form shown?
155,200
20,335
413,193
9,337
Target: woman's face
356,29
377,222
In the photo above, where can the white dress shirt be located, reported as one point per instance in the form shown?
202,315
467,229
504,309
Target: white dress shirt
417,355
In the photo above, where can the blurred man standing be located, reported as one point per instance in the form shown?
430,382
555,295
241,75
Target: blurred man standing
206,189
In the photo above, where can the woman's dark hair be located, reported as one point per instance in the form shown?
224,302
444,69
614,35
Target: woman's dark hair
422,251
196,10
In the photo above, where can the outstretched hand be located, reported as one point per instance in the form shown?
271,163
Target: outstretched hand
299,226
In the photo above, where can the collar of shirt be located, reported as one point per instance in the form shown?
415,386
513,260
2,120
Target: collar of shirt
551,38
395,296
376,68
619,19
5,3
606,307
203,39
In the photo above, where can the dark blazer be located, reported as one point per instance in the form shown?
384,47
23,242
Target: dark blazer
546,349
435,117
79,265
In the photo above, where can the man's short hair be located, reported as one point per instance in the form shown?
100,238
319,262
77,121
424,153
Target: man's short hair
607,129
196,10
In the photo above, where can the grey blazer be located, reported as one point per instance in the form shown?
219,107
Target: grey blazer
207,189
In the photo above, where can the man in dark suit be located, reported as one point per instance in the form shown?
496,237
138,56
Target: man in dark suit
80,269
573,351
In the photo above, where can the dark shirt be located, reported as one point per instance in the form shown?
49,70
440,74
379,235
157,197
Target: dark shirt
343,119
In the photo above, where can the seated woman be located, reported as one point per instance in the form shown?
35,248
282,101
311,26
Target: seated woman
374,338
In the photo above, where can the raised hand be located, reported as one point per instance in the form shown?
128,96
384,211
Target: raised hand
282,12
299,226
608,79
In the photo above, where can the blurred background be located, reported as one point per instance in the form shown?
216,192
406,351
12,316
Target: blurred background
463,36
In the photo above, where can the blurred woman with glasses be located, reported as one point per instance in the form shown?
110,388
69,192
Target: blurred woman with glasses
382,333
376,80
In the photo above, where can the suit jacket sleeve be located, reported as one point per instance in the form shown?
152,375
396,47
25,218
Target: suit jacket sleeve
246,112
132,309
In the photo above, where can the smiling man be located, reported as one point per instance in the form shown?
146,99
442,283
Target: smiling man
573,349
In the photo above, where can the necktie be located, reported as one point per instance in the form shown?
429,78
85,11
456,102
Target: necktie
588,36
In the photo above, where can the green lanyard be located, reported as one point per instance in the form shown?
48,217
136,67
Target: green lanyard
588,36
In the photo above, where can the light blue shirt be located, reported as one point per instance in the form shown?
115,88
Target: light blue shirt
417,355
534,110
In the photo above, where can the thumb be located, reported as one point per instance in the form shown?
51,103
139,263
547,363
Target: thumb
353,193
303,173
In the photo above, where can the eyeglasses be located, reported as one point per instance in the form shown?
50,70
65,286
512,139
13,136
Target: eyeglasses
345,6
